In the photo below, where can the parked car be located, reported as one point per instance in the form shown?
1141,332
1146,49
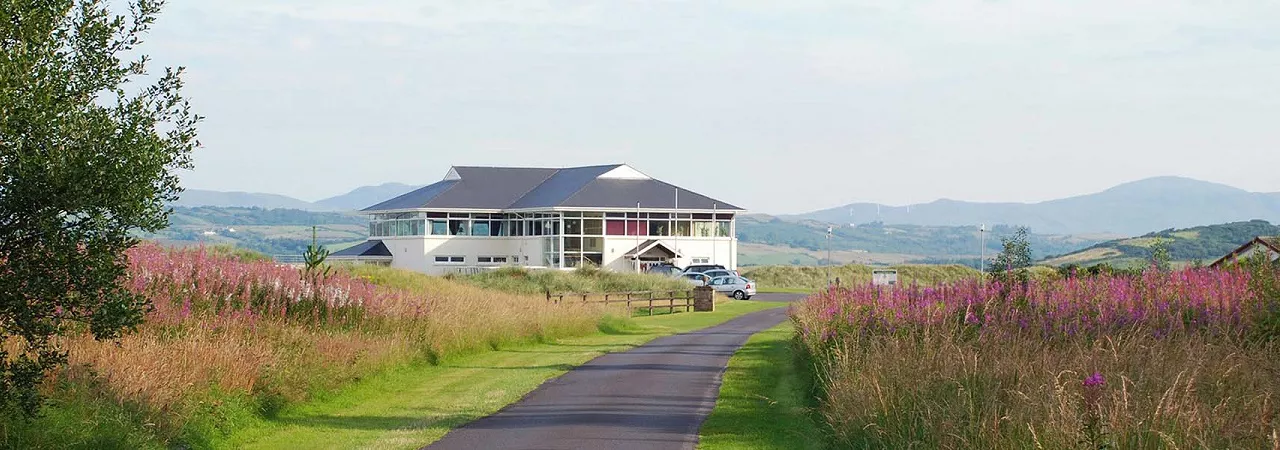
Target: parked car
696,279
699,268
664,269
734,286
717,273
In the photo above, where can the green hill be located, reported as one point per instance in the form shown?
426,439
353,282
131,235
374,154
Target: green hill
923,243
1203,243
270,231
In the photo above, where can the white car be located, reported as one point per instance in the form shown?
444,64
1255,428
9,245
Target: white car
734,286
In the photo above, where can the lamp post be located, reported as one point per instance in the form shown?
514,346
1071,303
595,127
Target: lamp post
982,248
828,263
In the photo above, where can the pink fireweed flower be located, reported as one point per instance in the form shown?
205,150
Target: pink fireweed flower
1095,380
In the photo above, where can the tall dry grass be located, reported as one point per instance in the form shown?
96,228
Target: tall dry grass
1159,361
233,331
815,277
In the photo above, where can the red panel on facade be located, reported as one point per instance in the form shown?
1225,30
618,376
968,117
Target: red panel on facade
615,227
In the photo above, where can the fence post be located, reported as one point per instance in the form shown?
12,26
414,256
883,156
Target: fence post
704,298
650,303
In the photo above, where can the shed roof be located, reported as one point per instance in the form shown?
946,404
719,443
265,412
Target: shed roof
607,186
1272,243
363,250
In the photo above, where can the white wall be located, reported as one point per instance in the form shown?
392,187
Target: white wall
723,251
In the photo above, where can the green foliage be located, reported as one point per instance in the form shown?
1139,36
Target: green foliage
1206,243
814,277
1265,285
1011,264
582,280
313,259
88,152
1160,258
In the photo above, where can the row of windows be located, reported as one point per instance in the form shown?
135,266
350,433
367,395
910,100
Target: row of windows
572,258
481,260
549,227
526,216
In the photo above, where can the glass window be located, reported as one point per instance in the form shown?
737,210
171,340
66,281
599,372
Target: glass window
449,260
683,228
722,229
572,244
592,227
593,244
373,229
572,259
460,227
703,229
402,228
440,227
593,214
572,226
659,227
480,228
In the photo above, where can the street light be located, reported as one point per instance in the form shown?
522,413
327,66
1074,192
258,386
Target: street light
828,264
982,248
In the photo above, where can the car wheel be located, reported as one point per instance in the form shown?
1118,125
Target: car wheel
740,295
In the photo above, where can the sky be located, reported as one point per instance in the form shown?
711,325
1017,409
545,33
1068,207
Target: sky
776,106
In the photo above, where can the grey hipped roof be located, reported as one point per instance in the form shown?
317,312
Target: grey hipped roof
521,188
363,250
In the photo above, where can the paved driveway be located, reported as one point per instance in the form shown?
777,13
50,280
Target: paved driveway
655,396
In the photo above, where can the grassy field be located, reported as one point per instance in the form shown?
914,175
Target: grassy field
1163,360
764,401
815,277
416,405
585,280
234,339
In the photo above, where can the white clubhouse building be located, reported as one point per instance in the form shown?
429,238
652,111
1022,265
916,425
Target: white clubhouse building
611,216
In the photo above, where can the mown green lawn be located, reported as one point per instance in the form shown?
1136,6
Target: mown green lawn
763,400
414,406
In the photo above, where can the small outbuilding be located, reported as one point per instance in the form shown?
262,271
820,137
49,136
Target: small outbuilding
1261,244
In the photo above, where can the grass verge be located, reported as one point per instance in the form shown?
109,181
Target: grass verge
764,401
416,405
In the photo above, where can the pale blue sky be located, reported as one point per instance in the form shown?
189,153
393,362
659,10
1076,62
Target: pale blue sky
776,106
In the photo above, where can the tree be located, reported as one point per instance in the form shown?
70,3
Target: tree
1160,258
313,260
1014,258
89,147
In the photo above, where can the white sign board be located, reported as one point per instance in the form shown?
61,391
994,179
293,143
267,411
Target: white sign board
884,277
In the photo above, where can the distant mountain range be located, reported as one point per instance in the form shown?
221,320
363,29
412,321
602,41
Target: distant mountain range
1203,243
1128,209
357,199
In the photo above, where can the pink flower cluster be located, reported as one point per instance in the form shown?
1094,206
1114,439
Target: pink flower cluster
1188,301
180,283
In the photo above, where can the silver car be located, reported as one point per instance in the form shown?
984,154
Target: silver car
717,273
734,286
696,279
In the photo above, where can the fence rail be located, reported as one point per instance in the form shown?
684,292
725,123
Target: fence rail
633,300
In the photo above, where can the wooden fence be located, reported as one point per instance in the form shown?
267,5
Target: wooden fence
633,300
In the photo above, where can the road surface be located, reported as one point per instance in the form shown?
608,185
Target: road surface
654,396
